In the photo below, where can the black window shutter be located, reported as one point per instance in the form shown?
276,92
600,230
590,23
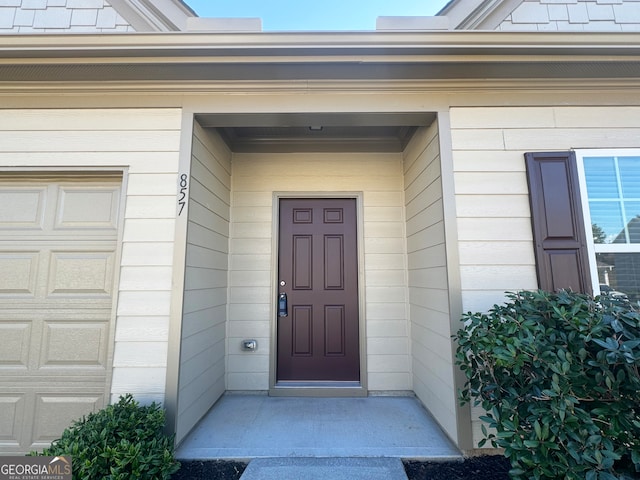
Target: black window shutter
558,225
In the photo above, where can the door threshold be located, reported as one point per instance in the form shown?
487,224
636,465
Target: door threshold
317,389
316,384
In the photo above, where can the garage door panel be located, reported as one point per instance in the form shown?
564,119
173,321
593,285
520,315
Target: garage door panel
12,408
22,208
74,345
55,378
92,207
19,273
14,354
56,411
81,273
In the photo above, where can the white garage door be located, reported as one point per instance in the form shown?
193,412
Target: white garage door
58,238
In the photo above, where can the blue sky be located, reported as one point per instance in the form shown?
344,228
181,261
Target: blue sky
315,14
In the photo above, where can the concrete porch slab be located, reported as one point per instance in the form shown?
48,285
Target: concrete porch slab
258,426
323,468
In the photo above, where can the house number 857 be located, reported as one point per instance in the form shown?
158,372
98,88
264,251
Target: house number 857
183,192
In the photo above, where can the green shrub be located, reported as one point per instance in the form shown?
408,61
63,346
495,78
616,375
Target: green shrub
121,442
558,376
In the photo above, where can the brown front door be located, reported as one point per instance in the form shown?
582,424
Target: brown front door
318,272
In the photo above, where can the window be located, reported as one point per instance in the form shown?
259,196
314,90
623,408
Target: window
610,185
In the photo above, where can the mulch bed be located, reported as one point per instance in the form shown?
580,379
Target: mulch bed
476,468
209,470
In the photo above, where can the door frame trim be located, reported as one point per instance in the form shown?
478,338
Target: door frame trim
321,389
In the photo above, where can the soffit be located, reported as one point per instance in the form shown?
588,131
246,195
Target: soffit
288,72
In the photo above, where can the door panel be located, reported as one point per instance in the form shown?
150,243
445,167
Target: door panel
319,339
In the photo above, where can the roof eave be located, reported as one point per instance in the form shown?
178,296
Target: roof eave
181,55
154,16
78,47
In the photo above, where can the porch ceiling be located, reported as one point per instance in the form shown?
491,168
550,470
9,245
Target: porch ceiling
324,132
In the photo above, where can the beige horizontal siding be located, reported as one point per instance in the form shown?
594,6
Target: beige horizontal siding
143,329
492,204
147,383
76,141
388,328
488,205
204,322
496,253
255,178
151,206
140,229
431,356
148,162
161,119
128,354
147,253
490,161
146,142
145,278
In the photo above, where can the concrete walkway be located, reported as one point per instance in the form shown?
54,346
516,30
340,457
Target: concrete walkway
258,426
324,468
